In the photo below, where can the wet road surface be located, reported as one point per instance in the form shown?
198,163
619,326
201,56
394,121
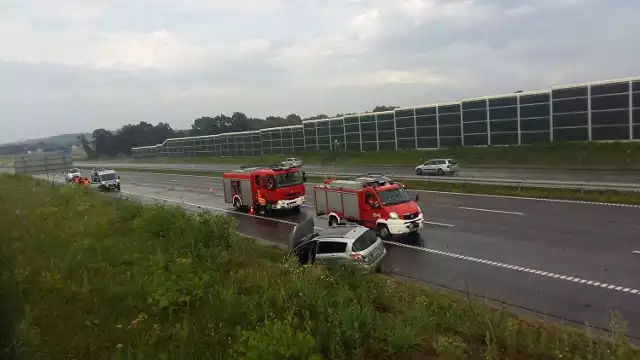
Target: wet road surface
573,175
567,260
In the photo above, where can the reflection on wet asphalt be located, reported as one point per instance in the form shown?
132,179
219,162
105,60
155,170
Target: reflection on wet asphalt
423,258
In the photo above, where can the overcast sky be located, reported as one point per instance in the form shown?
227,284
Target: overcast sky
76,65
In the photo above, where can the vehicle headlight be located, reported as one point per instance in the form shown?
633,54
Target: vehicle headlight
419,209
393,215
103,182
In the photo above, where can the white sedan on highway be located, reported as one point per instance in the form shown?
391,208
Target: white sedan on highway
69,175
438,167
292,162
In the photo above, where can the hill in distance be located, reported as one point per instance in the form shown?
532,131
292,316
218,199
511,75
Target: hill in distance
56,140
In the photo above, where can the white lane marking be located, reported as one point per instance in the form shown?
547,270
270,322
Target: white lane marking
311,206
530,198
518,268
433,251
636,251
465,194
437,223
212,208
491,211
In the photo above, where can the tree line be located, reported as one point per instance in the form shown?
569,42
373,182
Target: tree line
106,143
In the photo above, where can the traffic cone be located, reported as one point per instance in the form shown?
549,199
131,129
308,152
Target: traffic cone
251,210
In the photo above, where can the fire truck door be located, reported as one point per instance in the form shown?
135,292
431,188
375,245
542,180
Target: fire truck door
235,188
227,190
370,209
247,194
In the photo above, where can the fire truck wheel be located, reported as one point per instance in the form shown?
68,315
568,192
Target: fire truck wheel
296,209
333,221
383,232
236,203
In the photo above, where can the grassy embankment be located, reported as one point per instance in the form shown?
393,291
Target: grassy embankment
5,160
613,155
604,196
93,277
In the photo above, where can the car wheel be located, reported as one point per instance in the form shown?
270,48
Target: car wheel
440,172
296,209
333,221
418,171
383,232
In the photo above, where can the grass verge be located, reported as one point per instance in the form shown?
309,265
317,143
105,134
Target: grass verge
603,196
93,277
6,160
567,155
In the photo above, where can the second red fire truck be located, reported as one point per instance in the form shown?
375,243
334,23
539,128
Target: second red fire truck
279,187
383,207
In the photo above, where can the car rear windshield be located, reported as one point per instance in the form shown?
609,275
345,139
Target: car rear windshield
453,162
364,241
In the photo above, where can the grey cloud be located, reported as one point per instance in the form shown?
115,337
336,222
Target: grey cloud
516,45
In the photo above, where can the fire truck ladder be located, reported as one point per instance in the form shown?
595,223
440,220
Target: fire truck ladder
327,178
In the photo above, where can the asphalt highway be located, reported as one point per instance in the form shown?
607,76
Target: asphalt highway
571,261
594,176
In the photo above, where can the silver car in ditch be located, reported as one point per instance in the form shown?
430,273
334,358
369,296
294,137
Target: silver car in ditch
347,244
438,167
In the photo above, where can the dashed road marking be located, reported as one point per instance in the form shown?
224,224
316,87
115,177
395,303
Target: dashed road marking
519,268
491,211
530,198
636,251
433,251
470,194
437,223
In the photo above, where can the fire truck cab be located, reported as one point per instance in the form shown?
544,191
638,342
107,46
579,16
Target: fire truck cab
281,187
383,207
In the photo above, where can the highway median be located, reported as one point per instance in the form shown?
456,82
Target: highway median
88,276
607,196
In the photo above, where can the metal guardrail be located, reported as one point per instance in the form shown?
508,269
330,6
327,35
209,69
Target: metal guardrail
579,185
513,182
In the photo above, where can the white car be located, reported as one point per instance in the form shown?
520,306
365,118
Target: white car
292,162
345,244
437,167
69,175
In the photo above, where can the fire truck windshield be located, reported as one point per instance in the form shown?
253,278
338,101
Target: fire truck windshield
394,196
288,179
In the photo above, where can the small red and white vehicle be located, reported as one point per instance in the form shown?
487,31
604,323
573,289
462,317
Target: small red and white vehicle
385,208
281,187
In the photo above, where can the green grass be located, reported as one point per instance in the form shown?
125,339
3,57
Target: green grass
5,160
93,277
584,155
604,196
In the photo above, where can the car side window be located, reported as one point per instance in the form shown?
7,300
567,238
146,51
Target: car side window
442,162
429,163
331,247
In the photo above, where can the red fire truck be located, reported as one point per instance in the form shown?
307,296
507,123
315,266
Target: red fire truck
384,207
281,187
